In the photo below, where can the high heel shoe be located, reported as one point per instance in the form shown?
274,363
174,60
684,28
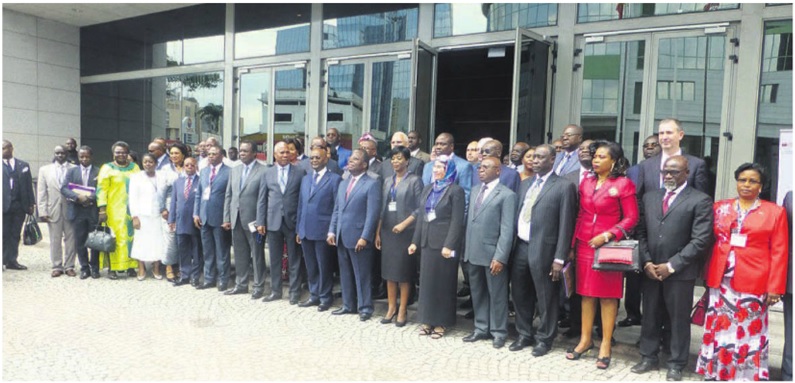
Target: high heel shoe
398,323
603,363
388,320
572,354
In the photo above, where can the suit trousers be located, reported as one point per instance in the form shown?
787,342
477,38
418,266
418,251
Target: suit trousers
12,232
677,298
489,300
62,244
81,227
355,276
276,242
533,290
632,294
318,258
171,256
786,358
190,258
215,242
249,257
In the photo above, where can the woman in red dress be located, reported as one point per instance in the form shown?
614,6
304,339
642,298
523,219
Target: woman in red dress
608,209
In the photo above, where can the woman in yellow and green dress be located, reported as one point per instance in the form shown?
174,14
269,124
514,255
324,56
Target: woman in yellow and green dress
112,196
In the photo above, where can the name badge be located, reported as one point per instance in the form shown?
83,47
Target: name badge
738,240
206,195
431,215
392,206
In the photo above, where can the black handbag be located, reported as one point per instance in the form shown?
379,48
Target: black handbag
618,255
31,234
101,239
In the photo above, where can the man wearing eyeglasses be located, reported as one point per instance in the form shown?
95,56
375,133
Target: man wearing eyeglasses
567,160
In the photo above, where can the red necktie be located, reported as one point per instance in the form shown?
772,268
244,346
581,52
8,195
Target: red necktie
666,200
350,187
188,184
212,175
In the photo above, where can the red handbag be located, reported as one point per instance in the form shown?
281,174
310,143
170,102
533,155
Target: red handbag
699,314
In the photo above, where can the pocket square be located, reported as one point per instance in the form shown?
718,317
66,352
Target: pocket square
25,169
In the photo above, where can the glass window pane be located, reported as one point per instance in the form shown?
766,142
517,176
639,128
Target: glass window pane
348,25
271,29
389,106
587,13
345,97
290,101
452,19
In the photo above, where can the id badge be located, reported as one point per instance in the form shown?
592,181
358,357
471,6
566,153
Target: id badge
431,215
252,226
392,206
738,240
206,195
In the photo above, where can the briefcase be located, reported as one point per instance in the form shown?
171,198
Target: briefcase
617,256
31,234
101,239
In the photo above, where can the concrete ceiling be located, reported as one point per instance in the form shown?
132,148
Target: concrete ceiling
81,15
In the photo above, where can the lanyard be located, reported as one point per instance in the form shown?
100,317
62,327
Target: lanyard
393,188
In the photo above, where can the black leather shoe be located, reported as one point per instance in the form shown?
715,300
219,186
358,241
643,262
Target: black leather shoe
467,304
95,274
236,290
323,307
181,282
365,316
564,323
521,343
222,287
628,322
498,343
257,294
113,275
16,266
342,311
572,333
272,297
464,292
206,285
308,303
293,301
475,336
195,283
645,366
541,349
673,374
470,314
84,274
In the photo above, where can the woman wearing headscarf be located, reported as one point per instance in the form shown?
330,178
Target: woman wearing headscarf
746,274
438,232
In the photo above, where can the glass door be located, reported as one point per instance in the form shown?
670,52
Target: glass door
423,92
529,111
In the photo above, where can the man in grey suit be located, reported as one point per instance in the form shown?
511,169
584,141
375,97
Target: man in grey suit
242,192
547,214
81,210
277,213
52,209
675,233
566,161
489,236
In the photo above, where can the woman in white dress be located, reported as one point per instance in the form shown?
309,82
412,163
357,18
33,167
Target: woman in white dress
145,211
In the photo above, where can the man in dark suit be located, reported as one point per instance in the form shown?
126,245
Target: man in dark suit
159,151
71,151
18,200
339,153
786,358
651,148
81,210
277,210
208,215
489,236
415,139
675,232
371,148
415,164
242,192
566,161
444,145
547,213
508,177
670,134
352,230
315,208
180,221
332,165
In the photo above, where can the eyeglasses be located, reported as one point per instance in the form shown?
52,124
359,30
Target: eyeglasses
485,151
673,173
748,180
650,146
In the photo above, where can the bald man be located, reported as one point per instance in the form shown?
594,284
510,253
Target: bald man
508,177
567,160
415,164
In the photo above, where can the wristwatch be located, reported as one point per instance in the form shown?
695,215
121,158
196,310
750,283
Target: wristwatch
670,268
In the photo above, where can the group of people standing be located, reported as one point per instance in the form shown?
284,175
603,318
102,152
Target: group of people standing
516,230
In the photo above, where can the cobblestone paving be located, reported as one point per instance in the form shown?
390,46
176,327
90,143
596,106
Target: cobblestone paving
70,329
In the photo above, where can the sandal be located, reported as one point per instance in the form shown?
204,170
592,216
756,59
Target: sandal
425,330
437,334
572,354
603,363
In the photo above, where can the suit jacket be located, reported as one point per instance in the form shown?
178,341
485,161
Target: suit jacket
605,210
508,177
316,205
245,196
448,227
464,178
332,166
181,209
342,156
490,229
787,203
649,174
407,196
357,216
211,212
761,265
273,205
49,191
166,162
572,165
24,183
422,156
75,210
552,221
681,236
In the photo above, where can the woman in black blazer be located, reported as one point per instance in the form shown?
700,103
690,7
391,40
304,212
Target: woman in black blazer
440,227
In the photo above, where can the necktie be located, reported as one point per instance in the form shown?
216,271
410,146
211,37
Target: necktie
350,187
188,184
283,179
314,182
212,175
666,200
245,175
479,201
10,169
530,200
60,173
563,163
85,176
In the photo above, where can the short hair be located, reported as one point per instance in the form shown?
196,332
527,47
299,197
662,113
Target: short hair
417,132
250,143
402,150
87,148
674,121
365,157
292,141
751,166
182,148
231,148
122,144
150,155
529,148
208,146
548,147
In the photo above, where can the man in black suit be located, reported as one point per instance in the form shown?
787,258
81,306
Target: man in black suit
675,232
71,151
545,225
18,200
81,210
332,165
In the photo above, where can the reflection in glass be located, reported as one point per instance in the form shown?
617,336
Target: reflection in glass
775,101
271,29
389,107
345,98
531,105
611,88
254,103
590,12
348,25
290,103
452,19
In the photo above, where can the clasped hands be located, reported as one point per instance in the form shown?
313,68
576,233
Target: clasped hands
657,272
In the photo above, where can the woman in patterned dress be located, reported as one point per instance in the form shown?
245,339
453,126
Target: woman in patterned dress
746,274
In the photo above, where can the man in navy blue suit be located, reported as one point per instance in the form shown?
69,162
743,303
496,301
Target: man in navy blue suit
183,199
508,177
338,152
567,160
352,230
208,216
445,144
315,208
81,210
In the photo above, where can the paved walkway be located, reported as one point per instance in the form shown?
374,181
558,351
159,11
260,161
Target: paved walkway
70,329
